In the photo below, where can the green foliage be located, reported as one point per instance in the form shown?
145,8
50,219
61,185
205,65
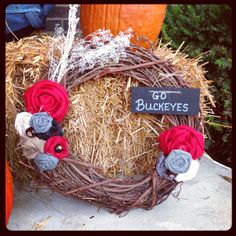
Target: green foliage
206,28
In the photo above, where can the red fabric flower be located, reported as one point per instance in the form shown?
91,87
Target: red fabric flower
182,137
57,147
47,96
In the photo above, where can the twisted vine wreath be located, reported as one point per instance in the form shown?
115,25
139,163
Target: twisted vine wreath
71,176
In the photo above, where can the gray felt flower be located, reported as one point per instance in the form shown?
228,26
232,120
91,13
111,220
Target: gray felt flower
45,161
162,170
41,122
178,161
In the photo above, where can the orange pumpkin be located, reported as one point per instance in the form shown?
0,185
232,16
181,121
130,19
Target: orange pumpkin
145,19
8,192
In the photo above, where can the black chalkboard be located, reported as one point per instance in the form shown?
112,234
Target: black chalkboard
168,100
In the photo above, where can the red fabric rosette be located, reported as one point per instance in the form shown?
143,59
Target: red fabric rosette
47,96
182,137
57,146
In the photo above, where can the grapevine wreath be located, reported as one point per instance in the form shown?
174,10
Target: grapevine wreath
78,136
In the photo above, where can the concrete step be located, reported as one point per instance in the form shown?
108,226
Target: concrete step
204,203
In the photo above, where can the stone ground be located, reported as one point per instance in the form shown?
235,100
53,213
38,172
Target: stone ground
204,203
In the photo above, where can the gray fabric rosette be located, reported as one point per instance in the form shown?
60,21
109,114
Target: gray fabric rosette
178,161
41,122
45,161
162,170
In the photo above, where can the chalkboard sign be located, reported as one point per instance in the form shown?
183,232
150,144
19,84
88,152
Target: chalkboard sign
176,101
